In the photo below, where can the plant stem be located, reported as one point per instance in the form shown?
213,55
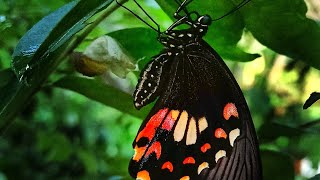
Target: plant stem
86,32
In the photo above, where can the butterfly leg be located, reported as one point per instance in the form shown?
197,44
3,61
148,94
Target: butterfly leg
182,7
182,20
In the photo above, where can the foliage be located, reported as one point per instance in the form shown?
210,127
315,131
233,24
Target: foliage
52,126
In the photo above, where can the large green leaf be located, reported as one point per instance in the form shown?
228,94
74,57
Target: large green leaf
272,161
316,177
224,34
38,53
96,90
278,130
141,43
283,27
49,34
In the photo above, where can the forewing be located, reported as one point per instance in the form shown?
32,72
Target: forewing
151,80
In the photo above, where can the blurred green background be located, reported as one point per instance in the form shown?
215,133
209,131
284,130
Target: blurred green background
61,134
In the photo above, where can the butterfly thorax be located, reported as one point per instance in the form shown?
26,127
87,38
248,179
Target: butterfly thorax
176,39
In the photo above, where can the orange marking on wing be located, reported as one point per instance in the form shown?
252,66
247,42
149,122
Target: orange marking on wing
167,165
143,175
189,160
170,120
220,133
202,166
150,129
185,178
155,148
229,110
205,147
138,153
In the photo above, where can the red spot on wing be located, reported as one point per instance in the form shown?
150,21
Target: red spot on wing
167,165
189,160
150,129
154,148
229,110
168,122
220,133
205,147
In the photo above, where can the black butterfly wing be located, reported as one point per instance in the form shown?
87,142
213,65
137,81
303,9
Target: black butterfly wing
151,80
200,127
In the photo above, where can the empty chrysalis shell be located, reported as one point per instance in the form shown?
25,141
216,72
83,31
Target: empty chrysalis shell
104,54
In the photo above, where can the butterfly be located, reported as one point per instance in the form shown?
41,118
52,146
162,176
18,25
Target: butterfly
200,126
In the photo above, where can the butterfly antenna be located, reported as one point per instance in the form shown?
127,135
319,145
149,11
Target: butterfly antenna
158,27
244,2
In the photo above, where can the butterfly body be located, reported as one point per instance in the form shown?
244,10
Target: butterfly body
200,126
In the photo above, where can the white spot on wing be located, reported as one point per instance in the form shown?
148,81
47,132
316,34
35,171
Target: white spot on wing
203,124
233,136
192,132
220,154
181,127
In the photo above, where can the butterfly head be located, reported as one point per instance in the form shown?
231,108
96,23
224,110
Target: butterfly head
204,20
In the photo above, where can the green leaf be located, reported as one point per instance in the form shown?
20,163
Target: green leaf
141,43
49,34
96,90
60,150
39,52
316,177
272,160
89,160
283,27
278,130
307,146
223,35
